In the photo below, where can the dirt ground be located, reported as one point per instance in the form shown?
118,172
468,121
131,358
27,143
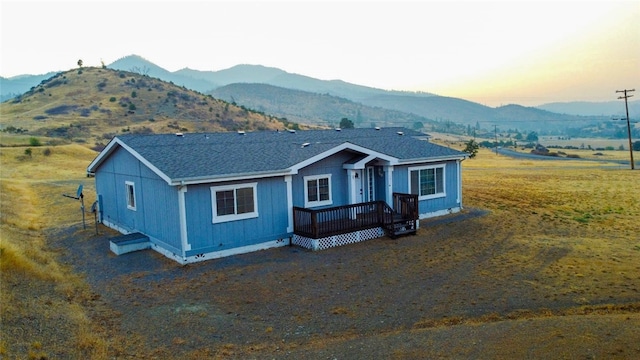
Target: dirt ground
443,293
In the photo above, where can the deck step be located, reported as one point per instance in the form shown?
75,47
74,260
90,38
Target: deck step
129,243
402,226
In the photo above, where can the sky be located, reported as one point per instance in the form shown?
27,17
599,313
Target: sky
494,53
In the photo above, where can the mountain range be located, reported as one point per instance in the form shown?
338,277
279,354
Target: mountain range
324,102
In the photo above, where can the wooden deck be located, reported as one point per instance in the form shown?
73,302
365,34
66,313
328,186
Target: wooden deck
402,219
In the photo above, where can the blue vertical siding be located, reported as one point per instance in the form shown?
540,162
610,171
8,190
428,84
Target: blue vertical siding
271,224
151,193
401,184
331,165
163,225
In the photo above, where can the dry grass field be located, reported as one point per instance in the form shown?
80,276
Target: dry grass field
43,301
551,271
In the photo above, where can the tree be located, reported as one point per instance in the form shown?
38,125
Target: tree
532,136
80,63
471,148
346,124
636,145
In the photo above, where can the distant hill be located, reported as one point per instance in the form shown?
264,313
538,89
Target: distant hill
18,85
421,106
94,104
584,108
141,66
314,108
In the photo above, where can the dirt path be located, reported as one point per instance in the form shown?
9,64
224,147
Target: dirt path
439,294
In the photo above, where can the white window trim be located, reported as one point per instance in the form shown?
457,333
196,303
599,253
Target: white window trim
131,184
444,181
233,217
308,203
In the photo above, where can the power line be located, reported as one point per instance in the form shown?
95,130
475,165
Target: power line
626,105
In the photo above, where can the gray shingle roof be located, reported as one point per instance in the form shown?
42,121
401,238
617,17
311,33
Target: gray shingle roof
213,155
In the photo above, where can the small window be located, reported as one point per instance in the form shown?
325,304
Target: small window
317,190
234,202
131,195
427,182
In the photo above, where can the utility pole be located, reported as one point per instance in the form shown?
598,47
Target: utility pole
626,105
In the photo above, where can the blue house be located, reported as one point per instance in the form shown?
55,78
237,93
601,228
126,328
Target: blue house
195,197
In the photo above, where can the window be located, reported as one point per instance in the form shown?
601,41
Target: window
371,183
131,195
427,182
317,190
234,202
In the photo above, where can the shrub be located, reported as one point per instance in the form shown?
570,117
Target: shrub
55,83
98,147
28,152
46,152
60,110
34,141
112,99
142,130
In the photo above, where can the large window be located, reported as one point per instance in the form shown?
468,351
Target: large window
427,182
131,195
317,190
234,202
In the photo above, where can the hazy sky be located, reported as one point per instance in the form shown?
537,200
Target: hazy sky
494,53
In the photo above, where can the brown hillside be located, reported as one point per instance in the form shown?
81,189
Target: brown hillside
94,104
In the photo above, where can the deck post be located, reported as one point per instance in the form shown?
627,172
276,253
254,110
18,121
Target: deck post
314,224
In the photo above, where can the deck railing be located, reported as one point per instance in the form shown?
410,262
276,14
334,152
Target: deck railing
338,220
406,205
